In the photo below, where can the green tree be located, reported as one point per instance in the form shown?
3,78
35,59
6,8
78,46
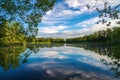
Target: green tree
115,36
25,12
11,33
107,36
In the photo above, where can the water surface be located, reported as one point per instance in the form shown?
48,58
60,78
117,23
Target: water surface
60,62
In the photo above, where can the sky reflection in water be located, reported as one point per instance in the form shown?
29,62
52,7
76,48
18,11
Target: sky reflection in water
61,63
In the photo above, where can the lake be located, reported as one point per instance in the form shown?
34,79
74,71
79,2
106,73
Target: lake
60,62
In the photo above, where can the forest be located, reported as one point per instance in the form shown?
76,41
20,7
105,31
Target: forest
110,35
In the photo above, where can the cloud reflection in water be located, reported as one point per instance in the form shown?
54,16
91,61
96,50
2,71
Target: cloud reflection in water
70,63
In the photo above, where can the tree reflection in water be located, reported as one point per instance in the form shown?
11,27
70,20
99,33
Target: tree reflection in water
115,57
112,52
10,56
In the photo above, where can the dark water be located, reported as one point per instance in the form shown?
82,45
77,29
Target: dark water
60,62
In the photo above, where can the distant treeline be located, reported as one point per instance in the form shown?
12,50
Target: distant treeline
54,40
108,36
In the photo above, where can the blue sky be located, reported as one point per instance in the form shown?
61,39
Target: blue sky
71,18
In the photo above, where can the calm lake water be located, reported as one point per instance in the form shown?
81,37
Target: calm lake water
60,62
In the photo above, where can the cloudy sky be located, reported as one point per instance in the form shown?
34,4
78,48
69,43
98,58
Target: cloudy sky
71,18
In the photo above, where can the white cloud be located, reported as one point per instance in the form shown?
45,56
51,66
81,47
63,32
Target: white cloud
89,26
73,3
49,12
88,22
60,15
82,4
60,12
84,28
66,13
92,3
54,16
51,29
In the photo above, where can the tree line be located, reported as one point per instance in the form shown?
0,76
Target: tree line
108,36
52,40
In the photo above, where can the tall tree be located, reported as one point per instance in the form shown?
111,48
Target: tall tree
28,12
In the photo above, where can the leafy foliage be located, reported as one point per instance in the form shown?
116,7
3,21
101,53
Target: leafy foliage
109,35
25,11
107,12
11,33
